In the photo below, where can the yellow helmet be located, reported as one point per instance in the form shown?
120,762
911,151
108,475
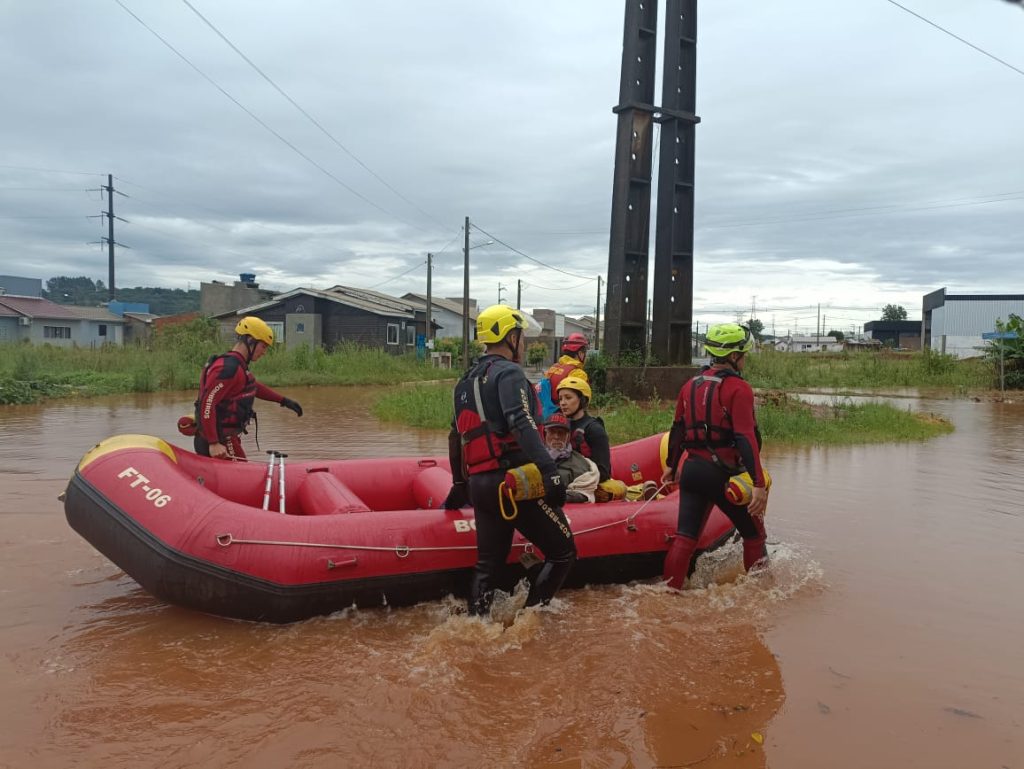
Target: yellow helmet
257,328
580,385
725,338
494,323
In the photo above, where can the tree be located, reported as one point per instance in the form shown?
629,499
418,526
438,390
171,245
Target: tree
81,290
894,312
839,335
756,328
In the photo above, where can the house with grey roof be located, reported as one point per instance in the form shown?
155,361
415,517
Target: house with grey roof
337,315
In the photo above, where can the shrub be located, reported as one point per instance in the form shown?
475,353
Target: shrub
536,354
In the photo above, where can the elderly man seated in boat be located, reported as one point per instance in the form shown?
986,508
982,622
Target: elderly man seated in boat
578,473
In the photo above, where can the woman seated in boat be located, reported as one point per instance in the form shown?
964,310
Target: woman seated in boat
587,433
579,475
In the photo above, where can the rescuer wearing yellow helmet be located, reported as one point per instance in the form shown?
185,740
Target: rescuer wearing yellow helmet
716,427
495,430
227,391
574,355
589,437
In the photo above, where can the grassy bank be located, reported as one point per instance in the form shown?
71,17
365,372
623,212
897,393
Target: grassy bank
783,420
868,370
29,373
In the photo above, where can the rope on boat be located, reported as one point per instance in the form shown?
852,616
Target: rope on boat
628,520
403,551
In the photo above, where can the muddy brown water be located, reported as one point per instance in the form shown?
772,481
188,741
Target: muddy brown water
887,634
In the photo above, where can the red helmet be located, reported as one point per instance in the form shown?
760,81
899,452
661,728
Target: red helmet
575,342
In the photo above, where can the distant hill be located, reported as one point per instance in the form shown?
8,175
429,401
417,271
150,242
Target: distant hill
87,292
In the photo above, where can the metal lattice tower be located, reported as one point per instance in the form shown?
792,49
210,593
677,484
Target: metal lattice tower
628,253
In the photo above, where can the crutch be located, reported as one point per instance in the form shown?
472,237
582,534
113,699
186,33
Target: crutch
270,480
281,455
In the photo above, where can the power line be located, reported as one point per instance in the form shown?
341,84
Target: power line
51,170
309,117
400,275
558,288
255,117
868,210
496,239
957,37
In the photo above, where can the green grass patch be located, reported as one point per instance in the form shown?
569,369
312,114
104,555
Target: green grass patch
783,420
30,373
868,370
427,406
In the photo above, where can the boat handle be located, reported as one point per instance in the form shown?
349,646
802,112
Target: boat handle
339,564
427,463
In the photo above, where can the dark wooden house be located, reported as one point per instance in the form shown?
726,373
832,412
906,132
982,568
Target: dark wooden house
337,315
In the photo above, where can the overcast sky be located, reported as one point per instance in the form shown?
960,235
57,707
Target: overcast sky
849,154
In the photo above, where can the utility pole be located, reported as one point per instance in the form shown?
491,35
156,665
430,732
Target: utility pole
109,240
817,329
500,289
519,294
110,235
430,297
465,296
597,324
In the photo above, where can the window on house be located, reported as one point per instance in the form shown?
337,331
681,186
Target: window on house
410,335
392,333
56,332
300,327
103,329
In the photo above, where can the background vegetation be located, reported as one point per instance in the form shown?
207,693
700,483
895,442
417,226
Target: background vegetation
89,293
32,373
783,420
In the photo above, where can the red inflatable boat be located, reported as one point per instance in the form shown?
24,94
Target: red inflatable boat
193,531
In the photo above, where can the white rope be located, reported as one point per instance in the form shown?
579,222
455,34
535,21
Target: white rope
402,551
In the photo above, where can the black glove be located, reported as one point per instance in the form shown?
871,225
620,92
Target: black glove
554,490
288,403
456,498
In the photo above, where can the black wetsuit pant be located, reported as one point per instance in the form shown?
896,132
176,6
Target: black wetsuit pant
701,486
233,444
545,526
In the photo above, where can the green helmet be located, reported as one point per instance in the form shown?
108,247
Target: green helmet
725,338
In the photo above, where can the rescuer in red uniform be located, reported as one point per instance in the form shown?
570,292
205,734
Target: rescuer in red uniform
227,391
715,425
574,355
495,430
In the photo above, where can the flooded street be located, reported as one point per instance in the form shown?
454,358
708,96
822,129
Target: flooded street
887,634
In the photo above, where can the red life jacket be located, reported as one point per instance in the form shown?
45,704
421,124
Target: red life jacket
486,443
707,422
232,414
559,371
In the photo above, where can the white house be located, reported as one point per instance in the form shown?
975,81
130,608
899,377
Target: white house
794,343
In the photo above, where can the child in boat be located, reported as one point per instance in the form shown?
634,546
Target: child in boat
578,473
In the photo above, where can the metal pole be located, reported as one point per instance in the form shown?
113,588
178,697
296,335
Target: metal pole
280,507
1002,372
597,323
430,300
465,297
270,481
110,235
519,294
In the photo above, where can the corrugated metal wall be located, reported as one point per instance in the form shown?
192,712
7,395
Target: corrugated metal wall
973,317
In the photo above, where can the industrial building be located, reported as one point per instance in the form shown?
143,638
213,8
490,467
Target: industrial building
953,323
